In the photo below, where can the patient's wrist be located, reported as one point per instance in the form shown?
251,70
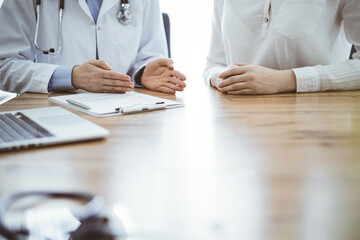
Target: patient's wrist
288,81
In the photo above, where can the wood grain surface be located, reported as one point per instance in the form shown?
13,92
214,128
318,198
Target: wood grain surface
223,167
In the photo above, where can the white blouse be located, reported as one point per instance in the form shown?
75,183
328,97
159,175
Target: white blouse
311,37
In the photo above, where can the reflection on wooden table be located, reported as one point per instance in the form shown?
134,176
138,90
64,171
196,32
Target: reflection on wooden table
223,167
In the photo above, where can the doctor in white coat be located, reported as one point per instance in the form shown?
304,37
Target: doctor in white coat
98,52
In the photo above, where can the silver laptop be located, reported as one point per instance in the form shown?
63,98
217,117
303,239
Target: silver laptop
45,126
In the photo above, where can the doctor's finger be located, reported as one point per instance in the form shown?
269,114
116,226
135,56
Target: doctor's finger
115,89
178,75
166,62
166,90
173,87
233,72
115,76
101,64
176,81
117,83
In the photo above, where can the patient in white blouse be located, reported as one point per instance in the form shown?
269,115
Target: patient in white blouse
276,46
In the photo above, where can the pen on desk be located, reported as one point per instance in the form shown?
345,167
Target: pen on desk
78,104
141,108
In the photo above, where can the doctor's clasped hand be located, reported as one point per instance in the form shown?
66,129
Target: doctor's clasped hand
97,76
47,46
160,75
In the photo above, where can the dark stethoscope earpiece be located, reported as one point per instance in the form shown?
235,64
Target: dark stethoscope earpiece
93,224
50,51
94,228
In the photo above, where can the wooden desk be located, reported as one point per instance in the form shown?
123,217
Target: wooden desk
249,167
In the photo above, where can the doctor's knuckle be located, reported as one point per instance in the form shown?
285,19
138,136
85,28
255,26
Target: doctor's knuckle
251,76
98,83
255,88
252,68
93,75
98,75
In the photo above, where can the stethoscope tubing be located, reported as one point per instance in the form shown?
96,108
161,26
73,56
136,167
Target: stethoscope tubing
122,17
50,51
93,206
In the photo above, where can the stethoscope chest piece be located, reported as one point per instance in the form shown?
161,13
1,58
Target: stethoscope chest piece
125,14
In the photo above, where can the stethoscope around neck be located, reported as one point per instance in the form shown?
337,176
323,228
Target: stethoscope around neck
124,16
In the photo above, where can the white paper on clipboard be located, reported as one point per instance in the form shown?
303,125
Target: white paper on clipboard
107,104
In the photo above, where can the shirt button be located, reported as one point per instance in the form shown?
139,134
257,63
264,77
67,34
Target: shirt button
92,23
99,28
266,19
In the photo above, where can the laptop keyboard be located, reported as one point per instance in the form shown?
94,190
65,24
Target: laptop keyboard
18,127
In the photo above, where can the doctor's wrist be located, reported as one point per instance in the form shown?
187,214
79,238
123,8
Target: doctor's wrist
60,80
72,76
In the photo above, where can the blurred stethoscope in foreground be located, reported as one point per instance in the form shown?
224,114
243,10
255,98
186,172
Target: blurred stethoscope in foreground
124,16
93,226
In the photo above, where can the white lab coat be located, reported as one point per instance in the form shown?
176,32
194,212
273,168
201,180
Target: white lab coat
125,48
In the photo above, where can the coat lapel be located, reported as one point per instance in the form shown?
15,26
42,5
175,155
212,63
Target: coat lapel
107,5
85,8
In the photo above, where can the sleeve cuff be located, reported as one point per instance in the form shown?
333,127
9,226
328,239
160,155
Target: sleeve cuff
307,79
60,80
210,73
138,75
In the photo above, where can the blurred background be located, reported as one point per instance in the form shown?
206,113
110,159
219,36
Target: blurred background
190,38
190,35
5,96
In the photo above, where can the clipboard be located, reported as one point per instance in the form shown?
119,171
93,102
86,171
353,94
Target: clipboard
109,104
